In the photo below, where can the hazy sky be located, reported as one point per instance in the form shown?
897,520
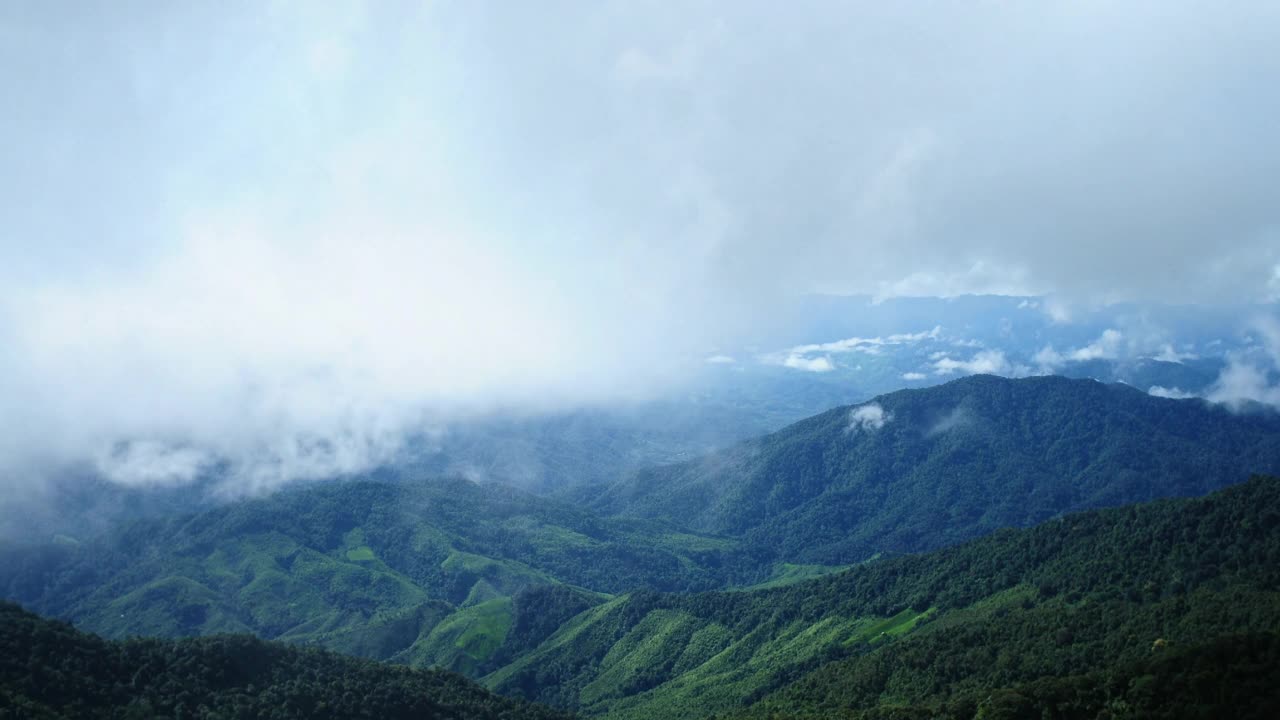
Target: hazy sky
258,229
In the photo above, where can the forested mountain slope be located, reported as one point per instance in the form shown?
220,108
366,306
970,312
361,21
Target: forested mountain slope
491,581
49,670
920,469
1059,613
434,572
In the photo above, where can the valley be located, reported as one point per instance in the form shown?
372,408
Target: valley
760,579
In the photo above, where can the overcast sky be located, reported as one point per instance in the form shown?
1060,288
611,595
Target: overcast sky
238,228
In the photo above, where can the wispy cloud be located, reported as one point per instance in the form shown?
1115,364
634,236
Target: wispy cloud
807,364
802,357
289,233
150,463
1107,346
868,344
991,362
1252,374
1243,381
1169,354
957,418
1172,393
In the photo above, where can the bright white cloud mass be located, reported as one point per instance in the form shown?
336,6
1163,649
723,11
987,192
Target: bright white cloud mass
283,233
868,418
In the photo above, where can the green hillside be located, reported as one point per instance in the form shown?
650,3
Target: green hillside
49,670
440,572
921,469
1090,596
796,579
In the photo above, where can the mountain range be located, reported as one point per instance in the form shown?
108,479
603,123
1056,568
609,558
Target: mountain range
782,575
916,470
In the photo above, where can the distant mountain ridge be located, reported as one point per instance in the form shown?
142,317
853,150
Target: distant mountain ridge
920,469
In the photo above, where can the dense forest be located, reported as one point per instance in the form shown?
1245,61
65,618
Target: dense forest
1085,596
1232,676
50,670
1168,609
639,360
796,594
921,469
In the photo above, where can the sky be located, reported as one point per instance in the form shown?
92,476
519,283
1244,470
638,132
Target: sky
285,232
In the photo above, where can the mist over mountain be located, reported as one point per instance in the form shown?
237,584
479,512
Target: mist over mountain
917,469
642,359
268,244
858,348
425,570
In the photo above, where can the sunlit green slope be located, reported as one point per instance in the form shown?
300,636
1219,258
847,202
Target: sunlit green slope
437,572
1092,594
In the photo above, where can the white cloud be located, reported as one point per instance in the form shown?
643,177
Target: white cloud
288,247
150,463
720,360
1242,382
913,376
1249,373
287,357
869,345
989,362
1169,354
1107,347
1048,358
818,364
868,418
800,356
1173,393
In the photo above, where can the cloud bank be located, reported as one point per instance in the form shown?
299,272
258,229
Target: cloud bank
276,238
1253,375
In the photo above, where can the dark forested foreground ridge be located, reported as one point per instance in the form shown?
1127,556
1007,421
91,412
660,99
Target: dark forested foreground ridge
1168,609
50,670
922,469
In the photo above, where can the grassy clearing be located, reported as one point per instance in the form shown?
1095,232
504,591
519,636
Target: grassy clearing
364,553
790,573
464,640
674,664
